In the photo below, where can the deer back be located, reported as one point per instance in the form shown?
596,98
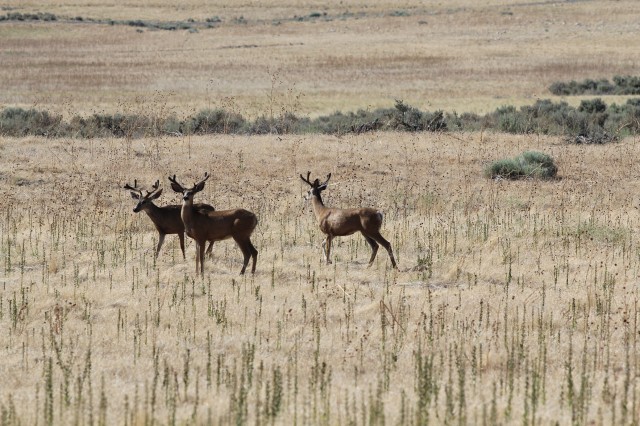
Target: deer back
219,224
341,222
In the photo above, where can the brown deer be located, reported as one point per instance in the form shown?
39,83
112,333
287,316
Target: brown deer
341,222
166,219
216,225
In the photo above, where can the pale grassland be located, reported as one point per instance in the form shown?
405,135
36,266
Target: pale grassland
516,302
465,56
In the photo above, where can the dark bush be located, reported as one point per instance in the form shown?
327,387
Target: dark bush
213,121
339,123
592,122
285,124
622,85
406,117
592,106
21,122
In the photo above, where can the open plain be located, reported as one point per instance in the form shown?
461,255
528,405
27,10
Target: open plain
514,302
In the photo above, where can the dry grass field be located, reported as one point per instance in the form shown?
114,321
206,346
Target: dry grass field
515,302
458,55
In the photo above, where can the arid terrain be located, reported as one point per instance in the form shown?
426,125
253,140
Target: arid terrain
309,57
514,302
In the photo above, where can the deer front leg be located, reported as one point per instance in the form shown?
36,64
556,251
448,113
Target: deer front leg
201,247
181,236
197,257
160,241
326,247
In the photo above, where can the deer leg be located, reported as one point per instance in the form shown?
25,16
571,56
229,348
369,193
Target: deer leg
326,247
254,255
201,247
387,245
197,257
160,241
210,249
374,248
246,252
181,236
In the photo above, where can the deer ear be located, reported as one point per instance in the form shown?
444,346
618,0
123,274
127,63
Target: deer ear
135,195
199,187
322,187
157,194
176,187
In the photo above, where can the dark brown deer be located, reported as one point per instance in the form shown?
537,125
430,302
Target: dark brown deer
341,222
216,225
166,219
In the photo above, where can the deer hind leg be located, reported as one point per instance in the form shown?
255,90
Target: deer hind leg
200,254
384,243
210,249
374,248
326,248
246,253
160,241
254,256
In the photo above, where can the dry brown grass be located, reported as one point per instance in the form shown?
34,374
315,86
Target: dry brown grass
516,302
523,293
461,56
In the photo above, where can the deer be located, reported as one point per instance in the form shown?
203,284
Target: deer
166,219
203,226
342,222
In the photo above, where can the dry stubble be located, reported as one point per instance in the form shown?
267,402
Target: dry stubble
528,288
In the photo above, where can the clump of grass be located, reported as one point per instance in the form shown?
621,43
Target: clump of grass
529,164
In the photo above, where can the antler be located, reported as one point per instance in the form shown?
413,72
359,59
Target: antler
307,179
175,185
316,183
154,189
206,176
134,187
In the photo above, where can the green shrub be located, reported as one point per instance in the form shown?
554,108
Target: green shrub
592,106
529,164
21,122
213,121
592,122
622,85
406,117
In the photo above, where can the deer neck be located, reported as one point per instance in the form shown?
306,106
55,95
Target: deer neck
319,208
153,212
187,212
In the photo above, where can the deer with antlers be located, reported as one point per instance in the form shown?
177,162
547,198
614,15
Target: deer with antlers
216,225
166,219
342,222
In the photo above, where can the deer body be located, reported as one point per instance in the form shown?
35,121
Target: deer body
342,222
166,219
212,226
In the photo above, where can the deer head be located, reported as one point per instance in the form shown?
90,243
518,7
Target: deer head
316,186
144,200
188,193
